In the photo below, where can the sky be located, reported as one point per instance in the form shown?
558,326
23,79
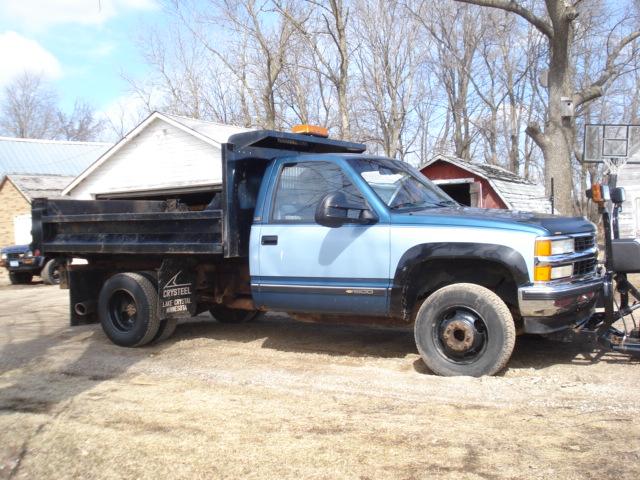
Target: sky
81,46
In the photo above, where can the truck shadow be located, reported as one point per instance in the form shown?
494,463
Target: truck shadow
51,369
285,334
282,333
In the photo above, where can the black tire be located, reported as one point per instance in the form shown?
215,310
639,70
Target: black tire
51,272
464,329
20,278
231,315
167,328
128,309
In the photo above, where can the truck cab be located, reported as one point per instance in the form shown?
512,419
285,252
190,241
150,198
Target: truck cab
319,229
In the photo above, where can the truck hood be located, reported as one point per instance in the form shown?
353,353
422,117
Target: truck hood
15,249
545,224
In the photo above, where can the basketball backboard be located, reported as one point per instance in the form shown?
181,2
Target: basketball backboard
607,142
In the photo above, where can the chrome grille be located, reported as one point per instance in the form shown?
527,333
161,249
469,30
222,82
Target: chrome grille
584,267
585,242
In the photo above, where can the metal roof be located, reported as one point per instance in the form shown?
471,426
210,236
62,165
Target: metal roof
51,157
517,192
218,132
40,186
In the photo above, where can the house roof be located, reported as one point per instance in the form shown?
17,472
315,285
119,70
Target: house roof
40,186
515,191
50,157
213,133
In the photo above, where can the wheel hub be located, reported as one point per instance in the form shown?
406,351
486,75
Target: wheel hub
459,335
131,310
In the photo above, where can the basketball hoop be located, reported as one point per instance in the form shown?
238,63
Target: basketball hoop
614,164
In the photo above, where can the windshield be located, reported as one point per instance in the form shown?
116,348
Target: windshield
400,186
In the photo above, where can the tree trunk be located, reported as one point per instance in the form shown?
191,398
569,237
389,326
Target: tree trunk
558,133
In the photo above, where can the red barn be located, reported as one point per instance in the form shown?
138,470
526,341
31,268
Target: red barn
485,186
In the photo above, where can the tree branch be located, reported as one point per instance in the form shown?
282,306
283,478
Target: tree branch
512,6
533,130
611,70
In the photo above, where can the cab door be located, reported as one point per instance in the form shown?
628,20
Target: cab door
306,267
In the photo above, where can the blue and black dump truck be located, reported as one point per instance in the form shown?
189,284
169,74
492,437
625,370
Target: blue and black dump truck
318,228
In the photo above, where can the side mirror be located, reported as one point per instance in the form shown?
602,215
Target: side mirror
335,210
617,195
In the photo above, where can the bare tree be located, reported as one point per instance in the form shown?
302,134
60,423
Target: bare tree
81,125
324,27
456,32
29,108
387,61
558,25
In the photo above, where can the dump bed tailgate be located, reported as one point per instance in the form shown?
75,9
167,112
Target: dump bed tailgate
90,227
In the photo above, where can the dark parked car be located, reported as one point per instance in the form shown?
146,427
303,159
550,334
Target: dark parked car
22,265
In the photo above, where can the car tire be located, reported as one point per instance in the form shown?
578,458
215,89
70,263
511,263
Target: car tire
464,329
20,278
231,315
166,330
51,273
128,309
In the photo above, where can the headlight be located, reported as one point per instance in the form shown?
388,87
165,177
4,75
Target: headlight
546,273
547,247
3,256
29,254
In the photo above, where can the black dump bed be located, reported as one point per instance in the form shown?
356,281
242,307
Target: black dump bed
86,227
93,227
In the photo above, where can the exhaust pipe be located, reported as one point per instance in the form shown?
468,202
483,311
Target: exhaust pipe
85,308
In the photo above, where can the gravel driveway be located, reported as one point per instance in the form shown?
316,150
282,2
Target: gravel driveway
281,399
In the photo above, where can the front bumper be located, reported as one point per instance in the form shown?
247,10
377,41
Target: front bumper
548,308
30,265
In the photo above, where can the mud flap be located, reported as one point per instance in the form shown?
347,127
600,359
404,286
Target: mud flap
177,289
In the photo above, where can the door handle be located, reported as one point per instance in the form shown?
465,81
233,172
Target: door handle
269,240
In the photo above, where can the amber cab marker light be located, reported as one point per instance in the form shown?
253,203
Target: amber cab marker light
313,130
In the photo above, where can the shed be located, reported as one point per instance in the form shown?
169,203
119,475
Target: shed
485,186
629,178
165,155
16,194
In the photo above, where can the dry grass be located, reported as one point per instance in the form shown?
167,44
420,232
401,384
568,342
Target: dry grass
279,399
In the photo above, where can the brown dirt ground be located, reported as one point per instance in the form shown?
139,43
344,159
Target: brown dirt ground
281,399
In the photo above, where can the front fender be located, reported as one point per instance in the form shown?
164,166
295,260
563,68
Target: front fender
502,255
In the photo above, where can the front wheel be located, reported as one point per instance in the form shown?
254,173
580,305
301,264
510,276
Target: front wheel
464,329
19,278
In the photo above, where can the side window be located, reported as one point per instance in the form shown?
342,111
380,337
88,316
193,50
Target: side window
302,185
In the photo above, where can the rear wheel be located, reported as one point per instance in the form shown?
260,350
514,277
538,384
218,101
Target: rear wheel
19,278
167,328
51,272
231,315
128,309
464,329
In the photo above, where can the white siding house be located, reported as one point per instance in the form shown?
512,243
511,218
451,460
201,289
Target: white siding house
629,178
164,154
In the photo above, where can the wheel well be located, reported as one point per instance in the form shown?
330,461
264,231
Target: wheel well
431,275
